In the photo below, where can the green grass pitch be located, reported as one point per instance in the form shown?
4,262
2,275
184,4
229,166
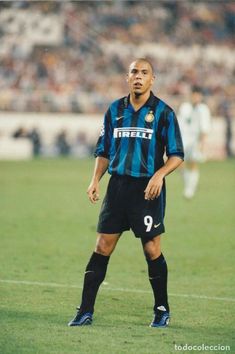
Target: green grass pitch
47,228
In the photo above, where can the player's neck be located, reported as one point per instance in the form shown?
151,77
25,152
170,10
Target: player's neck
138,101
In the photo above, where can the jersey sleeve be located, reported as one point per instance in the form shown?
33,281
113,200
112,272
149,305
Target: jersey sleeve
174,144
104,140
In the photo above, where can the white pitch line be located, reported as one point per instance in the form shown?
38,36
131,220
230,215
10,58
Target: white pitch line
57,285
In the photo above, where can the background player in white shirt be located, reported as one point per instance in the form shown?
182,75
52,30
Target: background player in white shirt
195,123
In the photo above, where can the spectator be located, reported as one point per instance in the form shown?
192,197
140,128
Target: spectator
226,112
35,138
195,122
62,144
82,148
21,132
187,41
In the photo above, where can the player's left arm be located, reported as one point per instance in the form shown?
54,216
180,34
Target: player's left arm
174,152
155,184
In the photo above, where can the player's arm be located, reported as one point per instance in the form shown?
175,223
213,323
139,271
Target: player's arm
175,154
155,184
101,166
102,152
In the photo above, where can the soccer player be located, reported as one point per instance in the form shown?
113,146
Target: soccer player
137,131
195,122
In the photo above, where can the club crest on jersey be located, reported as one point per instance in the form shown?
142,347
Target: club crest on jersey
149,117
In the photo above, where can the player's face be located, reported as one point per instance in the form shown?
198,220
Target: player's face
196,97
140,77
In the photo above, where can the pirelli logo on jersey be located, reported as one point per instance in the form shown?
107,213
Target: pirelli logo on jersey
133,132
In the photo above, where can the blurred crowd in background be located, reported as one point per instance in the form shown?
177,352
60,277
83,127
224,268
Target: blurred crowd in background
73,56
61,145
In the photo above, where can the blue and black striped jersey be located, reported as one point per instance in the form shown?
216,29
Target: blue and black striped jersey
135,141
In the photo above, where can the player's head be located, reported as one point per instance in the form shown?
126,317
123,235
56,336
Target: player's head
196,94
140,76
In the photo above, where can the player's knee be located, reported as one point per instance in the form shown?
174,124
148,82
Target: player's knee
152,254
103,247
152,250
102,250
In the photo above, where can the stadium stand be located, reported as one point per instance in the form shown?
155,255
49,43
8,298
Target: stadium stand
71,56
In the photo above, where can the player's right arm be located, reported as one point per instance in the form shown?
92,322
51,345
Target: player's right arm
102,153
101,166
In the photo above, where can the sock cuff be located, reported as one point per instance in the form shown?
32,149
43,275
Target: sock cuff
157,267
157,261
100,258
97,259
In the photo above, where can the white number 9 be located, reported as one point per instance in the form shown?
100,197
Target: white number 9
148,221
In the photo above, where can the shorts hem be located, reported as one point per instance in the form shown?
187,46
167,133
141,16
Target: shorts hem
150,237
110,232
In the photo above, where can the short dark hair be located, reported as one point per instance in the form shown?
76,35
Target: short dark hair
146,60
196,88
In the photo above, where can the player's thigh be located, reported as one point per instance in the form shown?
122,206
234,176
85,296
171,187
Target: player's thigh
106,243
112,217
147,216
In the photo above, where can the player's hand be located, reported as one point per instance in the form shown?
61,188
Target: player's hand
154,187
93,192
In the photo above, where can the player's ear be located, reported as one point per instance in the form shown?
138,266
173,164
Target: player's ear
127,77
153,79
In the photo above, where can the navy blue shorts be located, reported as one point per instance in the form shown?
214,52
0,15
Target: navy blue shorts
125,208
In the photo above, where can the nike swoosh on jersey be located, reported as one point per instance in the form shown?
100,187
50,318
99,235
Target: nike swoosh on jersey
155,226
117,118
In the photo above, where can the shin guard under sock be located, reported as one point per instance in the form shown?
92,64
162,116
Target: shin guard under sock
94,276
157,270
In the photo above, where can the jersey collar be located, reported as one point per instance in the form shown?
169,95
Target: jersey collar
150,101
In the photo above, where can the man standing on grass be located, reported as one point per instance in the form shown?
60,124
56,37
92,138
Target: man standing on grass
138,129
195,124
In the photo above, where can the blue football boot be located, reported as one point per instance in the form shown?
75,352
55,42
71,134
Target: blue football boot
81,319
161,318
